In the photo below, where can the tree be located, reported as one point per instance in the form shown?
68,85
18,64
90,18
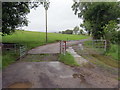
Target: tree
76,29
111,33
96,15
87,26
59,32
14,15
81,31
67,32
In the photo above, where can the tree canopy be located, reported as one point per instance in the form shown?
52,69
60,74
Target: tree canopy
96,15
14,15
67,31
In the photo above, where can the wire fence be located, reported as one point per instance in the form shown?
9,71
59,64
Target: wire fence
20,50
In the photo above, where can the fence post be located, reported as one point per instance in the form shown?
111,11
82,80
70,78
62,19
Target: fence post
105,45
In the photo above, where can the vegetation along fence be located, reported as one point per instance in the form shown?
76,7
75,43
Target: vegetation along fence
99,44
18,49
95,45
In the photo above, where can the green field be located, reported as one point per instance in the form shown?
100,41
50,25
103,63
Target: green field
34,39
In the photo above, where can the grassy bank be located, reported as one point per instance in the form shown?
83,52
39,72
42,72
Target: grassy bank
68,59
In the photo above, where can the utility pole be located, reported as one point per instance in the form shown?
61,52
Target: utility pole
46,6
46,25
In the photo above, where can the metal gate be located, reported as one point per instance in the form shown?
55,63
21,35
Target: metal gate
91,47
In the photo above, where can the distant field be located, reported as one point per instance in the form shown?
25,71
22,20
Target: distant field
34,39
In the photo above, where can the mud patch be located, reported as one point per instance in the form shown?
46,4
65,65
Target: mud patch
21,85
40,57
76,75
83,82
89,65
107,60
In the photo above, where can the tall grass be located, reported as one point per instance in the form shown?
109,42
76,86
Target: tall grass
113,52
8,57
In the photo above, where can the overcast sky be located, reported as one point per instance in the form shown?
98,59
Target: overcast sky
60,17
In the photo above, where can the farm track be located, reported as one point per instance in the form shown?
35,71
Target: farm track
54,74
52,48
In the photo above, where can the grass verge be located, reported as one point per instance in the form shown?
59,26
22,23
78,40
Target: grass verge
68,59
8,57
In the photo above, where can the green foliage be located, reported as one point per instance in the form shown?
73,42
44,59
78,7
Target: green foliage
81,31
113,52
111,33
87,26
67,32
68,59
14,15
97,14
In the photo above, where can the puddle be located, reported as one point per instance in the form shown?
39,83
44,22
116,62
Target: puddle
21,85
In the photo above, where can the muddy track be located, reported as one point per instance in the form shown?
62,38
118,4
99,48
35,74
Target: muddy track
97,72
54,74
